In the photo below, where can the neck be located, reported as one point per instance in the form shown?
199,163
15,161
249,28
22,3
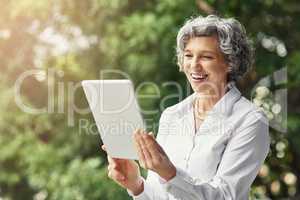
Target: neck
205,100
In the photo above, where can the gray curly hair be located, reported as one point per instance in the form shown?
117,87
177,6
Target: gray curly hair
233,42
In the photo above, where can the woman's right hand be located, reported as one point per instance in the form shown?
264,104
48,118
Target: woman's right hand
126,173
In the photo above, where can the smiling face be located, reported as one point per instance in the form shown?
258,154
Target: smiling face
204,65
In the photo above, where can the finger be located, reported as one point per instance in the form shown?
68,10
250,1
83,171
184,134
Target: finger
152,141
153,148
139,148
145,150
151,134
109,174
103,147
117,175
156,151
152,137
113,166
112,160
113,170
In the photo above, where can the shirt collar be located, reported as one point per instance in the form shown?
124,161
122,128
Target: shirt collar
225,104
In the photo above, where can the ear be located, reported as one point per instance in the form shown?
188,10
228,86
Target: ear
228,68
228,71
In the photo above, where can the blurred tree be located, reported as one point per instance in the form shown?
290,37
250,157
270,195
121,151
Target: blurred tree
51,155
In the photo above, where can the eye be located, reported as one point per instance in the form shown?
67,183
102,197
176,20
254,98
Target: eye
188,55
208,57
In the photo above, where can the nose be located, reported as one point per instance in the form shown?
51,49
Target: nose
195,64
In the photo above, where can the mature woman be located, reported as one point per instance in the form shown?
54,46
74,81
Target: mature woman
212,144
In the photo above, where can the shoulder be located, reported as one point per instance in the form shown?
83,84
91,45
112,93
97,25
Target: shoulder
249,116
251,129
244,108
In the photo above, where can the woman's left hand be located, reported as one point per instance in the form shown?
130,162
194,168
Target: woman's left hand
152,156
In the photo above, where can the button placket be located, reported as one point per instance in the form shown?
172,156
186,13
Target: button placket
188,156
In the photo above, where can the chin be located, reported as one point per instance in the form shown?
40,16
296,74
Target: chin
207,87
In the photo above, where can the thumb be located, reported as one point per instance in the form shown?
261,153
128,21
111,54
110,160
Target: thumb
151,134
103,148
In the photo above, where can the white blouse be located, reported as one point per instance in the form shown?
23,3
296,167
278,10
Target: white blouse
220,161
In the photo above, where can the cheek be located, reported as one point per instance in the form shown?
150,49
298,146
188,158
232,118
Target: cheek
185,63
223,70
185,66
218,69
219,75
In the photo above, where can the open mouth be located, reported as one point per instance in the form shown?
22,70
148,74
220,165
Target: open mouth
199,76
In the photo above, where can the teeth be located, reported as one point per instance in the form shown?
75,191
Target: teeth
198,76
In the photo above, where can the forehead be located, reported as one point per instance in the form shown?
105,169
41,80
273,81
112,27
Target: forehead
202,43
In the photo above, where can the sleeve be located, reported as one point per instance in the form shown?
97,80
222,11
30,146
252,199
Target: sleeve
244,154
152,186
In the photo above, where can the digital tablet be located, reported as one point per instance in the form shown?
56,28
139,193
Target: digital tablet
116,113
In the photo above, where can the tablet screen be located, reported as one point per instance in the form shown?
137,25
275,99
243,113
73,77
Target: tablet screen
116,113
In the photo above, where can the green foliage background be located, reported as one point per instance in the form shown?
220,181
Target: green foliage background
47,156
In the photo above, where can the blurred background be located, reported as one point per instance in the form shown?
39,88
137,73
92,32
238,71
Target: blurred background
49,147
